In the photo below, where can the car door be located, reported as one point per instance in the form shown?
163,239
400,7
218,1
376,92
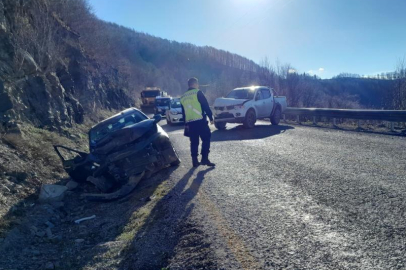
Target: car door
267,102
259,104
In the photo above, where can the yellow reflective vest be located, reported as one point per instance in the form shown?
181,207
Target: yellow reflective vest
191,105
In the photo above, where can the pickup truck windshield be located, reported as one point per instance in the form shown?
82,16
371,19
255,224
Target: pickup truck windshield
241,94
99,132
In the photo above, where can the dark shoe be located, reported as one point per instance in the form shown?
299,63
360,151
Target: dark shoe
206,161
195,162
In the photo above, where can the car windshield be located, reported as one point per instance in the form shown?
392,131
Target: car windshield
99,132
162,102
246,93
175,103
150,93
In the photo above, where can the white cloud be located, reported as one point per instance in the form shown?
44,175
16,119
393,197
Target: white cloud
291,70
321,69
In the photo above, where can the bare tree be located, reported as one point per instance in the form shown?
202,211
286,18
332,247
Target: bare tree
399,91
35,33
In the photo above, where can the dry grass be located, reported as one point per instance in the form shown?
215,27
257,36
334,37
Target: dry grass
28,160
36,145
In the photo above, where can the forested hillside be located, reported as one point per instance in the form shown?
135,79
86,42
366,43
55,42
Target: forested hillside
59,62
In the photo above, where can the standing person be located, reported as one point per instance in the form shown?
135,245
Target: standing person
195,108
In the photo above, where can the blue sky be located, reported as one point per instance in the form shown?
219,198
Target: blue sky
324,37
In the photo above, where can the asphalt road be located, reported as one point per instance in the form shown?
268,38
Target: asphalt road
293,197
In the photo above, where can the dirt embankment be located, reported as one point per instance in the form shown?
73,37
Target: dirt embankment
37,236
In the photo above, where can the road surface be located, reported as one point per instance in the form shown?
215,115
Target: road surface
291,197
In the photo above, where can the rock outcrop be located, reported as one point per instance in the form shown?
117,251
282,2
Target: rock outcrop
60,90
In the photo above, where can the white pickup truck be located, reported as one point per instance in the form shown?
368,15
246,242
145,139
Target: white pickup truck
246,105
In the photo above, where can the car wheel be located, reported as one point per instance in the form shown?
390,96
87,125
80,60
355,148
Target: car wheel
177,161
276,117
220,125
250,119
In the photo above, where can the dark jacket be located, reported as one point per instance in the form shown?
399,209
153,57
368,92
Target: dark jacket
206,111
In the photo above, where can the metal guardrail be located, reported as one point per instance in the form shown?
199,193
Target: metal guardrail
382,115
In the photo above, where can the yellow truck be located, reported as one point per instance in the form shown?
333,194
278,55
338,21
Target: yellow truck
149,94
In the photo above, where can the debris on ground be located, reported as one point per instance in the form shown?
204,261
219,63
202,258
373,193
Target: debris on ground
85,218
52,193
71,185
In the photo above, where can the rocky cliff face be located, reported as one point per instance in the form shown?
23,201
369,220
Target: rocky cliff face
59,91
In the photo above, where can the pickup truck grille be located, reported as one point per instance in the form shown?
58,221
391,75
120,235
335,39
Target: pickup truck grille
224,115
222,108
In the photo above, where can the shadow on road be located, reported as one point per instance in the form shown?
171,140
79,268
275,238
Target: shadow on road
241,133
155,242
173,127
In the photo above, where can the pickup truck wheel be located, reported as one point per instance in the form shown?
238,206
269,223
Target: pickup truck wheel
220,125
250,119
276,117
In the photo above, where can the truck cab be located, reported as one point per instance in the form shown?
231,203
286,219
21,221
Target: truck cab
248,104
149,94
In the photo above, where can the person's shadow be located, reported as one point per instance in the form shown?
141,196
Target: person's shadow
170,212
240,133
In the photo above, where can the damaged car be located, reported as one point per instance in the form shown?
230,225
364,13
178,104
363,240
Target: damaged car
124,149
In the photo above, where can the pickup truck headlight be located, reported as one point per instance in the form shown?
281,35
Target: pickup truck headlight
174,112
238,107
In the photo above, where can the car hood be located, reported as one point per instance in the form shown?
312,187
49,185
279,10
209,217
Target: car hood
122,137
228,102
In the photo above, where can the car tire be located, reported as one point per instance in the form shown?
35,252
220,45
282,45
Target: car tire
177,161
250,119
276,116
220,125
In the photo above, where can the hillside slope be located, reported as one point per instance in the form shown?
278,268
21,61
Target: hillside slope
59,62
46,78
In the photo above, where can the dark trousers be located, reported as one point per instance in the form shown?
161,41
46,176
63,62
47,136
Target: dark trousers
198,131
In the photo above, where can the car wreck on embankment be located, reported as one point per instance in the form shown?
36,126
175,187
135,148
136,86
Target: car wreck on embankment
124,149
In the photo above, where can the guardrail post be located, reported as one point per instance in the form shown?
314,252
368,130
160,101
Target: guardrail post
298,119
392,126
335,122
314,120
284,118
359,124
